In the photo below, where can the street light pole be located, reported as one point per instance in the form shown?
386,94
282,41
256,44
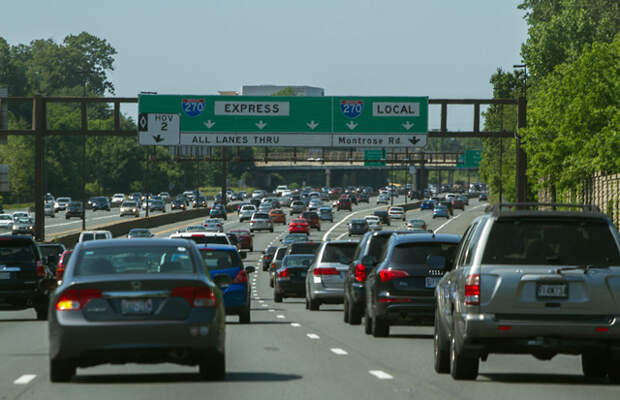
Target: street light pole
521,157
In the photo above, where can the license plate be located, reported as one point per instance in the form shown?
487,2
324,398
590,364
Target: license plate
136,306
431,281
552,290
5,275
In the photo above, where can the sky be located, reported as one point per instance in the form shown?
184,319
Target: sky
435,48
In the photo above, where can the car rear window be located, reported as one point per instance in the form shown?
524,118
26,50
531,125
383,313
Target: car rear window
280,252
218,259
134,260
376,246
87,236
304,248
260,216
100,236
16,251
415,254
549,242
201,239
297,260
47,251
335,251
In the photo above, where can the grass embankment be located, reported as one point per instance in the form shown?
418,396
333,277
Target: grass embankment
18,206
213,190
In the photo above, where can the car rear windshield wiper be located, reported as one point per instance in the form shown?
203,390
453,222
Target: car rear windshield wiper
585,268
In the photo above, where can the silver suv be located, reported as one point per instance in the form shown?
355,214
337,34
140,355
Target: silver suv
529,279
261,221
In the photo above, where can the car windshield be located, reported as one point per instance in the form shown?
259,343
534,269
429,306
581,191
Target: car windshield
129,204
16,252
140,233
204,239
334,252
416,254
551,242
218,259
134,260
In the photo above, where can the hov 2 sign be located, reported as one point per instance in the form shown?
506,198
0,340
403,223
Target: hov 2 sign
162,129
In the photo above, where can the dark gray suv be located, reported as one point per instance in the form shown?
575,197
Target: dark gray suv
539,279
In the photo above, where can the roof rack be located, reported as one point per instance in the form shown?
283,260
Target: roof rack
532,206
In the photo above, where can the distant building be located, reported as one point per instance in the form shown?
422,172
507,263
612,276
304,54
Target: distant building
228,93
269,90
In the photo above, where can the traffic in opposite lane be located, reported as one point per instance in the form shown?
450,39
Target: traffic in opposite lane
286,344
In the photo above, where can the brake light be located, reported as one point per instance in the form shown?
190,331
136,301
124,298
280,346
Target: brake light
394,300
389,274
196,296
325,271
60,271
601,329
472,290
360,272
284,273
242,277
40,270
76,299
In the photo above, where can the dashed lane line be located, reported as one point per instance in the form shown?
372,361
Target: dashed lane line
380,374
280,316
24,379
295,324
338,351
313,336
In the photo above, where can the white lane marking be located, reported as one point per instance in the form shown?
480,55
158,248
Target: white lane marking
271,310
313,336
261,301
458,216
346,218
280,316
295,324
339,352
341,236
24,379
380,374
265,305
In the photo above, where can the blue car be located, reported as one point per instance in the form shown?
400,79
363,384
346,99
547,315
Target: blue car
427,205
441,211
218,211
225,260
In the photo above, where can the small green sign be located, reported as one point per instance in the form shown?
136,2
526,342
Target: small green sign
374,158
469,159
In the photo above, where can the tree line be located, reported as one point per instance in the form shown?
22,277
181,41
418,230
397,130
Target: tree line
572,55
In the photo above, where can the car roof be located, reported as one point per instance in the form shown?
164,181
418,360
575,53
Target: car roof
544,210
152,242
425,237
190,234
209,246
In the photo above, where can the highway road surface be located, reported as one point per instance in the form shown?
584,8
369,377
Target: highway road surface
288,352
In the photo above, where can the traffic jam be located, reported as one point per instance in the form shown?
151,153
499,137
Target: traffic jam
535,279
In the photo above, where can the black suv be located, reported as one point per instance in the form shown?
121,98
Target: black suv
371,245
74,209
22,275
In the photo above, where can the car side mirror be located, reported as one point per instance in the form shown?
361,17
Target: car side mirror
222,280
250,269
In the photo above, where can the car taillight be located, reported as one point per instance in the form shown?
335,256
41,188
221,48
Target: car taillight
472,290
40,270
60,271
360,272
389,274
284,273
76,299
273,266
325,271
196,296
242,277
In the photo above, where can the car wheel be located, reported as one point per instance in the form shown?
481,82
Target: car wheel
355,315
61,371
318,229
594,365
346,311
314,305
462,367
613,371
277,297
270,281
271,230
213,368
41,313
441,347
244,317
66,217
380,327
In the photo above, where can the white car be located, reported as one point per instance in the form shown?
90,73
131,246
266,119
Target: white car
213,225
246,212
117,200
203,237
396,213
261,221
130,208
48,209
61,203
281,189
20,214
6,222
95,235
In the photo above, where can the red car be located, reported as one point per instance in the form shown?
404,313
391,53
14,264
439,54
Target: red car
244,239
344,204
313,219
277,215
62,264
299,225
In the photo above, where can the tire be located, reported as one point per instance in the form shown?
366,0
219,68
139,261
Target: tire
61,371
355,315
367,323
613,371
244,316
346,311
441,347
214,368
380,327
462,367
307,304
314,305
66,217
271,230
277,297
270,281
318,229
41,313
594,365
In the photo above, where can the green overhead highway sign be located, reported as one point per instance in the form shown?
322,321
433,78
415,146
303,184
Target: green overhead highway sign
469,159
282,121
374,158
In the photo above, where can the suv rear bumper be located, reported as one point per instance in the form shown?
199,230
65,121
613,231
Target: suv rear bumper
484,333
21,299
